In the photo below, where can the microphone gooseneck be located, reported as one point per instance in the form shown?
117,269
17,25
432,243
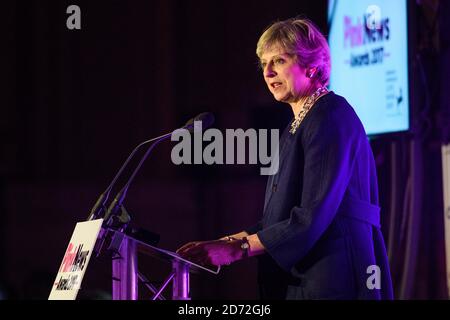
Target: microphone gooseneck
207,119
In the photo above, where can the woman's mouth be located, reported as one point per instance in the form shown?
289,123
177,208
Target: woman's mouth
275,85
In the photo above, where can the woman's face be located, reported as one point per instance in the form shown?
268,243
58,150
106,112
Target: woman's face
285,78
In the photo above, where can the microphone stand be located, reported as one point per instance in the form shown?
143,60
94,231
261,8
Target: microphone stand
111,218
100,205
122,245
120,221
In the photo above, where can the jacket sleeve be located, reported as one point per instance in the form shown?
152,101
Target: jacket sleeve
330,143
254,228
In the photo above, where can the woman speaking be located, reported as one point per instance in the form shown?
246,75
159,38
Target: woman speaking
319,236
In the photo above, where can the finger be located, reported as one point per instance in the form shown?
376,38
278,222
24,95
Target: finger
187,246
194,251
198,258
201,246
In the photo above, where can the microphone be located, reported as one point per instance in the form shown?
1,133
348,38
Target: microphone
207,120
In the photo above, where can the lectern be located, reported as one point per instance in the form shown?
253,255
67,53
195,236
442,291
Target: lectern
108,227
124,249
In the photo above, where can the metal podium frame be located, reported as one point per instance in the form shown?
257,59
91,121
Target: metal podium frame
126,276
445,150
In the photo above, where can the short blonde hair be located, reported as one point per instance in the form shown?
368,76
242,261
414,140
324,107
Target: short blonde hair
302,38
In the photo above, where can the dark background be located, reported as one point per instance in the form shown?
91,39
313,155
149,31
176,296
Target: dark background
76,102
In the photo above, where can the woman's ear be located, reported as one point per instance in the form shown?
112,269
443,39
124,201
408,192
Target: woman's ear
311,72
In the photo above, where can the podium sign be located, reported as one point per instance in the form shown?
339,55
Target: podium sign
75,261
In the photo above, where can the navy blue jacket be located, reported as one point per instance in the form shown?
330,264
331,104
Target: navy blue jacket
321,220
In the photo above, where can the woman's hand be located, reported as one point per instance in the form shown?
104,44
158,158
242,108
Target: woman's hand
216,252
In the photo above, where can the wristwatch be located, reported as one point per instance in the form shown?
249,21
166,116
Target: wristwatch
245,246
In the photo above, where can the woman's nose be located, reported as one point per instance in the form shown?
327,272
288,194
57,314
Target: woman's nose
269,72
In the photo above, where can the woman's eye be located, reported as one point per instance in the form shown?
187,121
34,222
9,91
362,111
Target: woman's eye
278,61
